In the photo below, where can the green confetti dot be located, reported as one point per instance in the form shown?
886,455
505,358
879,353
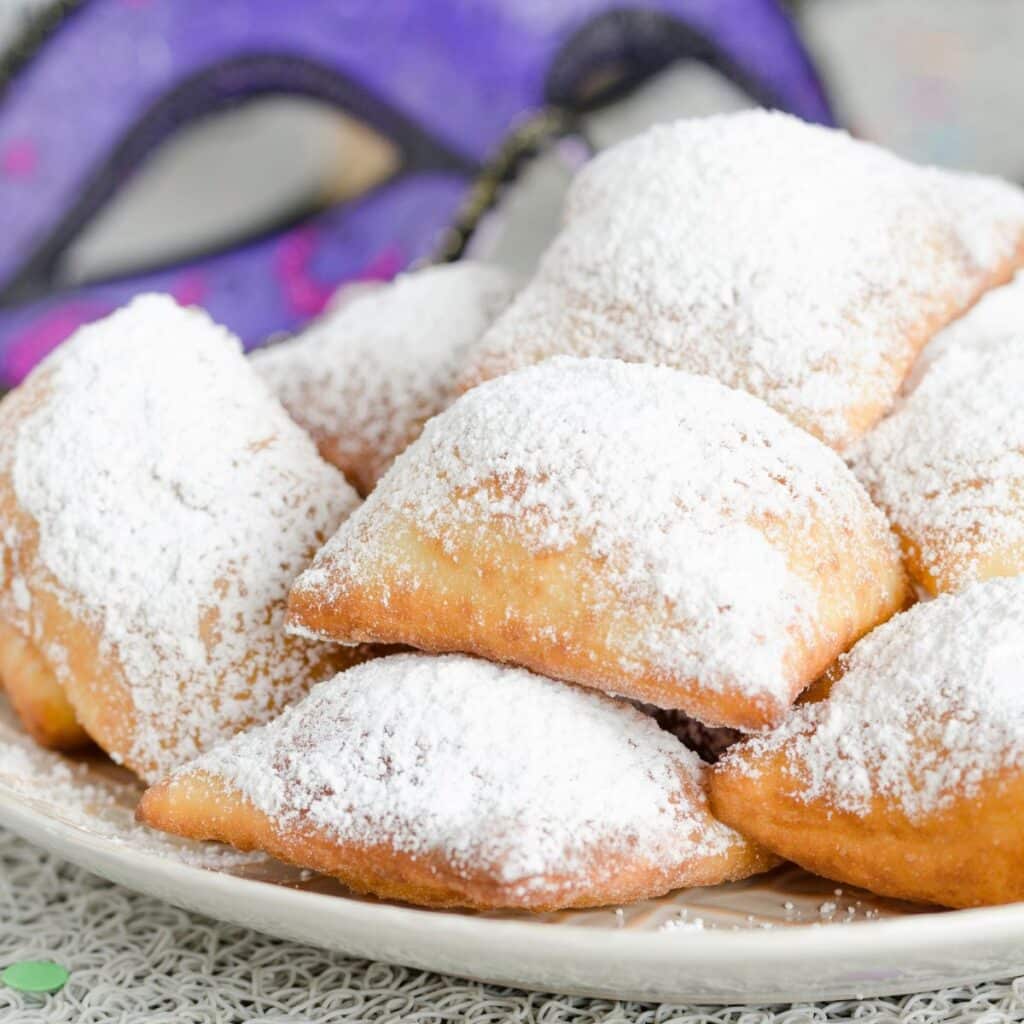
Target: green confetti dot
35,976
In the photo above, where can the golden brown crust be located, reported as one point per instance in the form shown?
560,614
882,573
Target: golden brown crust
38,699
966,855
199,806
31,620
549,612
93,689
362,468
79,692
957,558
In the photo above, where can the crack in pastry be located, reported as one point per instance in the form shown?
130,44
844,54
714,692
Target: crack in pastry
628,527
364,379
450,781
156,502
707,742
906,775
779,257
947,465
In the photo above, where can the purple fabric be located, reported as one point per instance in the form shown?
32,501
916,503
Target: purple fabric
447,80
276,284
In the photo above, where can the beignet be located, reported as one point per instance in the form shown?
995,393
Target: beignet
947,465
365,378
156,502
449,781
631,528
908,777
779,257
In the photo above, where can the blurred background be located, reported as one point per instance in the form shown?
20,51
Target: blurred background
251,156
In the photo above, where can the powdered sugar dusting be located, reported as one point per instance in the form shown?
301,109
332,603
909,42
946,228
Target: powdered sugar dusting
930,704
998,314
493,767
94,797
175,502
776,256
666,476
948,464
366,377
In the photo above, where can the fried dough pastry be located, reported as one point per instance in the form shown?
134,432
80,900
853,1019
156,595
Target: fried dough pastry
947,465
627,527
366,377
908,778
449,781
36,695
779,257
155,503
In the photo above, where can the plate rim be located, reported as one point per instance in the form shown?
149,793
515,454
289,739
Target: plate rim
813,942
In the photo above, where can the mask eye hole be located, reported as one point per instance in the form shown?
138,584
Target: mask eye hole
232,175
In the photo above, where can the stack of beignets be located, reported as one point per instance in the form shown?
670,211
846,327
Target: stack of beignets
629,484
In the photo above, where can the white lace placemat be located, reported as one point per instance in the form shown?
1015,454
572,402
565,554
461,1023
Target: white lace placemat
135,960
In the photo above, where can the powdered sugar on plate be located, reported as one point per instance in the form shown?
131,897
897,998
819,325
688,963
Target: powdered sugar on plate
175,502
665,477
930,704
493,767
948,464
776,256
93,795
365,378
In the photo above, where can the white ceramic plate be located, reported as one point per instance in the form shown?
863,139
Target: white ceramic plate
784,937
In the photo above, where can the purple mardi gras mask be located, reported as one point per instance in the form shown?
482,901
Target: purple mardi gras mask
447,82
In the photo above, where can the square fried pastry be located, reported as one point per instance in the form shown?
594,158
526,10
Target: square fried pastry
947,466
364,379
906,776
779,257
156,502
633,528
450,781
